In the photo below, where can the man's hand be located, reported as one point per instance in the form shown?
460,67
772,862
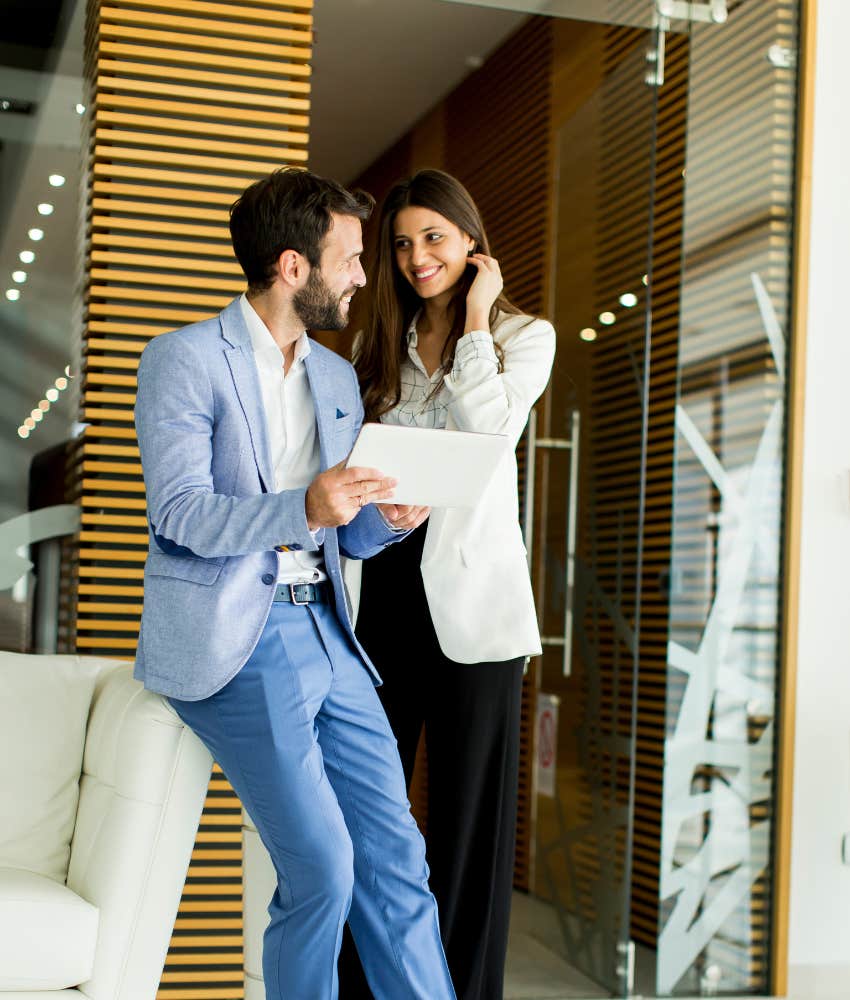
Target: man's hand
336,496
403,516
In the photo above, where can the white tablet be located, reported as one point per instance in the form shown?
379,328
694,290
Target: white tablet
434,468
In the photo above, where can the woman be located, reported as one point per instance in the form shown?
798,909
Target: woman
447,615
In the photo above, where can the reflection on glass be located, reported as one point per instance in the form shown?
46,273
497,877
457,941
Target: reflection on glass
40,267
715,888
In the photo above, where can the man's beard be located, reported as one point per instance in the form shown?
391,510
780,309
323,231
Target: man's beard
316,305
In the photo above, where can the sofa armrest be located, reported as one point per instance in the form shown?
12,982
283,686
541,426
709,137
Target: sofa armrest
145,778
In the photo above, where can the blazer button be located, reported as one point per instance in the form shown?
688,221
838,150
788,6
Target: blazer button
267,579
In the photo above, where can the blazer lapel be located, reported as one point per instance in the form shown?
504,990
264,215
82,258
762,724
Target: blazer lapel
322,401
246,381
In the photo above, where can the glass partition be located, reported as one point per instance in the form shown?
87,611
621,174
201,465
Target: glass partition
725,585
41,158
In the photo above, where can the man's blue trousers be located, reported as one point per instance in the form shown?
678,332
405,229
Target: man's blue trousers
303,739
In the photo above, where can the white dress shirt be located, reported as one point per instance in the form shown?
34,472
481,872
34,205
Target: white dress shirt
419,405
292,432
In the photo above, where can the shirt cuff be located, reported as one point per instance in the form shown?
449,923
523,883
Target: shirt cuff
477,345
392,527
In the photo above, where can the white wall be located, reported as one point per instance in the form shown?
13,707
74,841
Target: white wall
819,945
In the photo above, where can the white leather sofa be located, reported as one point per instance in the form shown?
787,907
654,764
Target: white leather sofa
101,790
258,885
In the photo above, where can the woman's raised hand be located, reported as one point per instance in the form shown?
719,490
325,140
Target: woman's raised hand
485,289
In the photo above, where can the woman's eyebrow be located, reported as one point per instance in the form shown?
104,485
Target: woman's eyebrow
425,229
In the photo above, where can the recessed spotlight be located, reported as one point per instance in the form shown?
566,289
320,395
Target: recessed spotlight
628,299
52,394
35,234
68,371
23,432
19,276
80,109
29,423
44,405
607,318
45,208
56,180
37,415
26,256
13,294
645,279
588,334
61,383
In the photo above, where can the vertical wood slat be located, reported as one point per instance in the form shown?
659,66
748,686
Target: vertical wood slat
188,102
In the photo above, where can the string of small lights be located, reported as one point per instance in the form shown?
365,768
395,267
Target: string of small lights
51,396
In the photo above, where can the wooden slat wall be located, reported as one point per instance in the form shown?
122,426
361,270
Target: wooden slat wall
188,102
493,133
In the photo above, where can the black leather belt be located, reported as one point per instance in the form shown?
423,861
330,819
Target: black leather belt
302,593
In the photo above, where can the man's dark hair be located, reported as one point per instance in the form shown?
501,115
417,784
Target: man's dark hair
288,210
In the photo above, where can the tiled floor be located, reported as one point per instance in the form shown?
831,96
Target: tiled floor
536,968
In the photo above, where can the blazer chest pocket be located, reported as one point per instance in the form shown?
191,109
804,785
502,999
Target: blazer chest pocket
204,571
344,424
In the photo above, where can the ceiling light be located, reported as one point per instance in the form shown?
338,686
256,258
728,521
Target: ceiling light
29,423
36,415
61,383
35,234
56,180
44,405
13,294
80,109
588,334
607,318
19,276
45,208
26,256
68,371
52,394
23,432
628,299
645,279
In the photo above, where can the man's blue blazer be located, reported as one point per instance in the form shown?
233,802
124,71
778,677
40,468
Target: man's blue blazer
213,516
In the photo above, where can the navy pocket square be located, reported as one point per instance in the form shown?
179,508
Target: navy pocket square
340,414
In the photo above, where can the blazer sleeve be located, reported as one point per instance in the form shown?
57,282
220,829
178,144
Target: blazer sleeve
490,401
368,533
174,424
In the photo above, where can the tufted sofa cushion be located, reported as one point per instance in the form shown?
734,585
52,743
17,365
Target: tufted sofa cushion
49,933
44,708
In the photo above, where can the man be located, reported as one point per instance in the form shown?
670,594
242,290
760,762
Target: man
246,626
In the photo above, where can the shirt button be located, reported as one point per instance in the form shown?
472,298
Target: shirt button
267,579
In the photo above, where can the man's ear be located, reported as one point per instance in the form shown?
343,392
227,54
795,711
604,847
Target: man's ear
292,268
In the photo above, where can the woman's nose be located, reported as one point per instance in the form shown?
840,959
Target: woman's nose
418,255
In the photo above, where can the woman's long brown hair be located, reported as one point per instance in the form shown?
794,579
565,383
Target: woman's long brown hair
383,343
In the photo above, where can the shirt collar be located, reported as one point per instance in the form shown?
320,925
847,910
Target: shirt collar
412,335
263,342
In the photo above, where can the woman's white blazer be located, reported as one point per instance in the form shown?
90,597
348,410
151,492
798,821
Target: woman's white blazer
474,565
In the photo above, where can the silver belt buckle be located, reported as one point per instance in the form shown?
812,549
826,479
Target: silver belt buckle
295,600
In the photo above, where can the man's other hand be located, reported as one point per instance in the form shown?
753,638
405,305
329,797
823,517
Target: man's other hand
336,496
403,517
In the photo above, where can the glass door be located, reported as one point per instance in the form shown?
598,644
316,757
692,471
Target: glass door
656,464
590,448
